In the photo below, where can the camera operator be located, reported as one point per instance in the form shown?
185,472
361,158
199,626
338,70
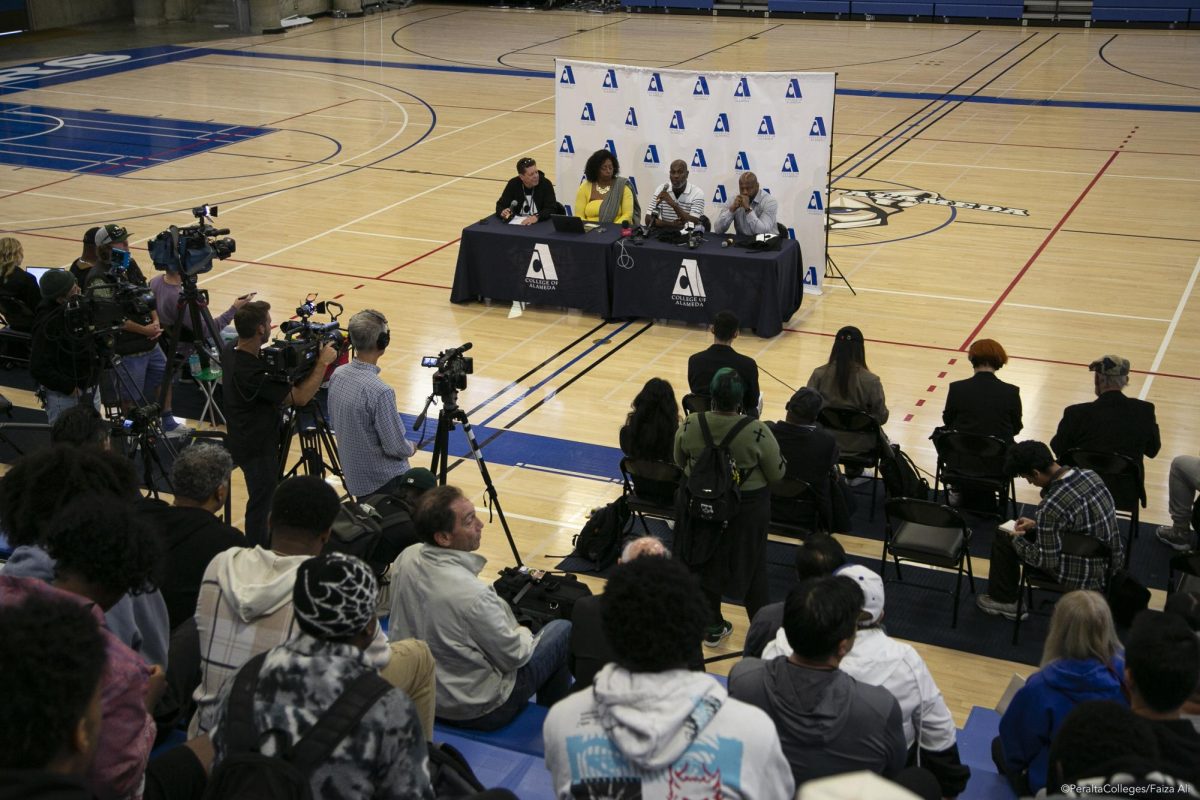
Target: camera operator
64,367
372,447
143,363
253,401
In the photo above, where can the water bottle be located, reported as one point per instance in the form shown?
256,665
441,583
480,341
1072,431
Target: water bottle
194,363
214,364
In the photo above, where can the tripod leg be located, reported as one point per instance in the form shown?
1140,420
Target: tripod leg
493,498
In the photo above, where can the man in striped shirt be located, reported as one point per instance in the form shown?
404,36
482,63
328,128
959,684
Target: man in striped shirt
676,202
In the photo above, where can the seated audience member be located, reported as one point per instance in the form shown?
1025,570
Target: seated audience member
102,553
1110,423
676,202
812,456
488,666
605,196
1162,668
751,212
16,282
49,479
54,662
372,446
190,530
590,649
649,433
845,382
1073,501
734,566
879,660
1187,605
1081,661
530,195
983,403
1183,484
817,556
703,366
338,641
650,728
82,426
828,722
245,604
1098,741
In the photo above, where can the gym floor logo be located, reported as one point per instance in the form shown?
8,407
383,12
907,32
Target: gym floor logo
541,274
689,288
878,208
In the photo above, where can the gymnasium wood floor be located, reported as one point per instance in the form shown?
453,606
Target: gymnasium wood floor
379,161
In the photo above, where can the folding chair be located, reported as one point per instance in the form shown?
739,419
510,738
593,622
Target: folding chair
1125,481
695,403
852,429
928,533
650,488
1073,544
796,509
973,461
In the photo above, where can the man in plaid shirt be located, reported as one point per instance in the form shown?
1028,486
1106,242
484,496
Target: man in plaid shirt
1073,501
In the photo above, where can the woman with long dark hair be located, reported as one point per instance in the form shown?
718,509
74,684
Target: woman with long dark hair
649,429
845,382
605,195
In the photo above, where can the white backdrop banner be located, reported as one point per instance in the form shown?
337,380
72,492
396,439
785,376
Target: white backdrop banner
776,125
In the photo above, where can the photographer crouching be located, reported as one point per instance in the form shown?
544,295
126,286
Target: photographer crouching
64,367
253,400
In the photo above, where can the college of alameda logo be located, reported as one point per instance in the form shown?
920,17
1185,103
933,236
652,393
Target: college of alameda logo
689,288
541,273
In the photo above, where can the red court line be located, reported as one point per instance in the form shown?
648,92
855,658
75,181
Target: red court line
314,111
418,258
1045,242
43,186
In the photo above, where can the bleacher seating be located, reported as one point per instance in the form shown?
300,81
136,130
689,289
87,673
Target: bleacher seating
522,735
987,9
835,7
1170,11
892,8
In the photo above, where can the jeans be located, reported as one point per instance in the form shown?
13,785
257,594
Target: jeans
1184,482
139,376
545,673
57,402
262,476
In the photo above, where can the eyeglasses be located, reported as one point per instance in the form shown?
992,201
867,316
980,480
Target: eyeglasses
524,164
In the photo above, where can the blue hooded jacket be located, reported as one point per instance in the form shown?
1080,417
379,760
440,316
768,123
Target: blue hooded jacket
1041,705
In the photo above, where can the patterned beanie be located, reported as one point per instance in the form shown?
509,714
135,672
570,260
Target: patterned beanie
334,596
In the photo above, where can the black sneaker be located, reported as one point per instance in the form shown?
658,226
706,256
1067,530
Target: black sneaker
715,634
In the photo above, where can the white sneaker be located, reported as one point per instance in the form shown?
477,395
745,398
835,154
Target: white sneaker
1174,538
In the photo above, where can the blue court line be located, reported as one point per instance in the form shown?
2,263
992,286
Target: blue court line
152,56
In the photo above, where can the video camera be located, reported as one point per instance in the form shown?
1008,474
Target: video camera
104,305
137,420
292,357
190,251
452,370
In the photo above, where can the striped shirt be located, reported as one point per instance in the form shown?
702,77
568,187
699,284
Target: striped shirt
370,435
691,199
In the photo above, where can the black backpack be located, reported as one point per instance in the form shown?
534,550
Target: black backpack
900,476
600,539
247,774
713,488
375,530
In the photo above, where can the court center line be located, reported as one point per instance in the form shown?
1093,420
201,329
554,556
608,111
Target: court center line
1045,242
1166,342
1030,306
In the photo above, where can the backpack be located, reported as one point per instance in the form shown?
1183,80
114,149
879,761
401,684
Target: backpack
375,530
247,774
537,597
713,489
450,774
600,539
900,475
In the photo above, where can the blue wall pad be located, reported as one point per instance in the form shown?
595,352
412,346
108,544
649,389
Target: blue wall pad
810,6
1129,14
102,143
986,10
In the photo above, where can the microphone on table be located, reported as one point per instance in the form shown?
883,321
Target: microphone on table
727,241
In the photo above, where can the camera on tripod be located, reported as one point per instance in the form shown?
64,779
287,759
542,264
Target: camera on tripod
190,251
452,370
104,306
292,357
137,420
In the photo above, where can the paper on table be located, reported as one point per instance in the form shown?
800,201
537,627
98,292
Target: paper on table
516,220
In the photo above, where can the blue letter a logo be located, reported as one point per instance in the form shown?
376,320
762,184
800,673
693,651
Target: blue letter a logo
741,162
631,117
818,127
589,113
766,127
816,203
789,163
568,75
793,90
566,146
719,195
655,84
698,159
722,125
701,86
677,121
611,147
610,79
651,156
743,89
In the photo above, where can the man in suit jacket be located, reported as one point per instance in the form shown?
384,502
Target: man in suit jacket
812,456
983,403
1112,422
703,365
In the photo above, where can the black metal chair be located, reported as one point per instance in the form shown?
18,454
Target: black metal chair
972,461
1125,481
929,533
695,403
1073,544
796,509
859,441
1187,563
650,488
15,337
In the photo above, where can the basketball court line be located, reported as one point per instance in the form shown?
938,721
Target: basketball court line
981,301
1166,341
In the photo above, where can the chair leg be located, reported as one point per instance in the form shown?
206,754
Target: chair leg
970,573
645,525
874,492
957,593
883,563
1020,606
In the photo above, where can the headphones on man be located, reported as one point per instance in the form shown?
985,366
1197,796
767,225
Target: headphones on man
385,336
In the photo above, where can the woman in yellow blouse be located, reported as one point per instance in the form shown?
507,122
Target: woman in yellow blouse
604,195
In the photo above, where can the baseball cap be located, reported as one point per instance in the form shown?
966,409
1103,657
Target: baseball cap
872,588
1111,366
419,478
107,234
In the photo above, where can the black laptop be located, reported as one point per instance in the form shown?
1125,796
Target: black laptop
565,224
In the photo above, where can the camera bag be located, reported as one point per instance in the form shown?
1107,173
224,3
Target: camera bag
536,601
375,530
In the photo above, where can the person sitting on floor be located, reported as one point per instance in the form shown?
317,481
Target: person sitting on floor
650,728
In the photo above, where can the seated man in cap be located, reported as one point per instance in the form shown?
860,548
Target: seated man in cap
371,444
338,641
1112,423
64,367
812,456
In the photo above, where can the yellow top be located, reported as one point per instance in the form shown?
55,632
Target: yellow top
589,209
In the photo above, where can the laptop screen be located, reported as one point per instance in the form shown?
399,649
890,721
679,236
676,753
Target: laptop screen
37,272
